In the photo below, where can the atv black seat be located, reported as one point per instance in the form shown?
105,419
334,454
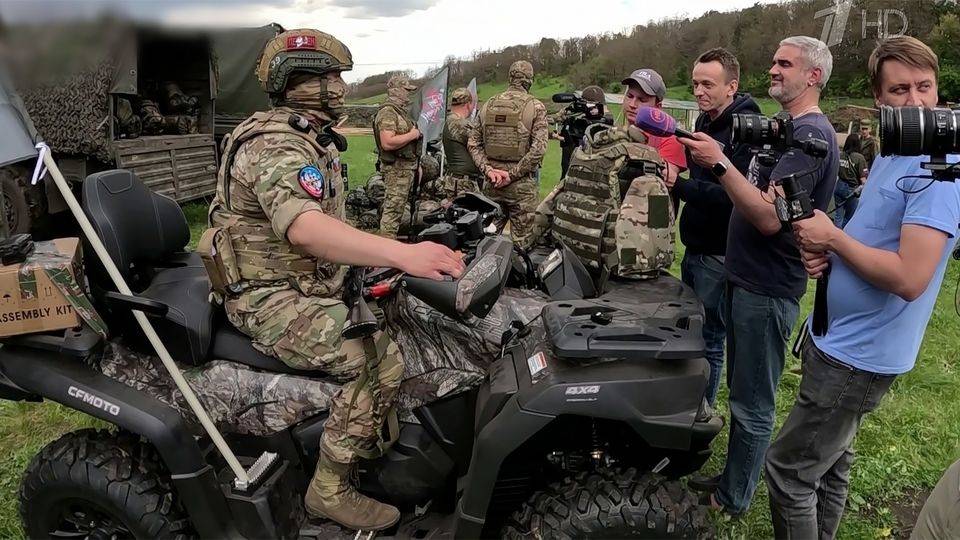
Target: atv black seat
145,234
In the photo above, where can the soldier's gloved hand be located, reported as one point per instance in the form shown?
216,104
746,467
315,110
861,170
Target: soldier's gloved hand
432,260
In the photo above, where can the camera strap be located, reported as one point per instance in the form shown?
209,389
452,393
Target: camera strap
821,316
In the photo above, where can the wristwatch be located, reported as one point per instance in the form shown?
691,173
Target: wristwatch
719,169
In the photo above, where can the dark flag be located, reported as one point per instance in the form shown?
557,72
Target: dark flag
431,104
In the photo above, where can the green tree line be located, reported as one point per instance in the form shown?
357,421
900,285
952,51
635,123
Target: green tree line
671,46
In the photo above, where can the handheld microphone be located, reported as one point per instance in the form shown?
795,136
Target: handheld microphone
564,97
656,122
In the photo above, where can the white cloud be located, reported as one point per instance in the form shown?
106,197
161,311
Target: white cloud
411,34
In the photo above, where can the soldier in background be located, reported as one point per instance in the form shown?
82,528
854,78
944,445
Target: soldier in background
280,203
869,145
461,173
396,135
570,124
507,144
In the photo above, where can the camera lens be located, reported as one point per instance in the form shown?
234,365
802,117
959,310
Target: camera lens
916,131
753,129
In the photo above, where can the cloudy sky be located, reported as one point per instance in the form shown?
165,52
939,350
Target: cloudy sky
392,34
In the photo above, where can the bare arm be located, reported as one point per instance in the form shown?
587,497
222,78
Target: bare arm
748,200
332,240
390,140
906,272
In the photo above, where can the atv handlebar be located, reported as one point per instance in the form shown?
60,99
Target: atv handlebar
476,291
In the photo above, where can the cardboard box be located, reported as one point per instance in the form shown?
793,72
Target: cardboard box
29,300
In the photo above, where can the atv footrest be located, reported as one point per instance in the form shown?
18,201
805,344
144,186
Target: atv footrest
272,510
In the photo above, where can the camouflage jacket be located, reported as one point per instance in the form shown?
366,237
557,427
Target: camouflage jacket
271,173
456,133
391,117
529,163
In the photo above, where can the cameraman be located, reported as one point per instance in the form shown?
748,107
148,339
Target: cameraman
886,268
573,120
706,214
764,271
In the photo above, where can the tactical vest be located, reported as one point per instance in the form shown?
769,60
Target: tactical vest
458,158
613,208
507,123
260,257
406,152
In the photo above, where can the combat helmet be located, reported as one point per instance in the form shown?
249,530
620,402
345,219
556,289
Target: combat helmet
303,50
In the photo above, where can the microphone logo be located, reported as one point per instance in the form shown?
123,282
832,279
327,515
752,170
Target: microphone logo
656,115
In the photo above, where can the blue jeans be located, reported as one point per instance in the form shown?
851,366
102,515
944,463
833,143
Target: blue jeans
846,204
704,273
758,328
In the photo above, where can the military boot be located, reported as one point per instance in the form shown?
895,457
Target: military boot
331,496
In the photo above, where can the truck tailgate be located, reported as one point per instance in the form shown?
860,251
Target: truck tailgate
183,167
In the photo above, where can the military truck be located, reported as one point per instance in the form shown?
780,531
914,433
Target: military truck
111,94
239,94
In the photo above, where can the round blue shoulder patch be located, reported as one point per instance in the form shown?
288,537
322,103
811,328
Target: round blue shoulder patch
311,180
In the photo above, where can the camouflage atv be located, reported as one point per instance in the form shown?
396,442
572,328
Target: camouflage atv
533,404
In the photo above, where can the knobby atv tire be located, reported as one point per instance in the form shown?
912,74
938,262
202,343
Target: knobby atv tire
16,210
118,475
611,503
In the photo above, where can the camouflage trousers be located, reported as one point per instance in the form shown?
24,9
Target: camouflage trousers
304,332
519,200
398,181
453,185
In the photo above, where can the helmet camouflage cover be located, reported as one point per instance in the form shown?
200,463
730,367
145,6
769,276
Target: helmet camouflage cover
303,50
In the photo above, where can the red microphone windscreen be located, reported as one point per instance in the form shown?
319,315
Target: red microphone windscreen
655,122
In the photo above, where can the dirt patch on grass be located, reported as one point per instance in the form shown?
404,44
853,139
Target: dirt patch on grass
906,509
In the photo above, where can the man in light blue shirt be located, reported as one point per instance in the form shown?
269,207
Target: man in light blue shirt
886,268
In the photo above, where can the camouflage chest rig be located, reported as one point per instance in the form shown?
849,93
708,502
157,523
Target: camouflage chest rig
241,249
613,208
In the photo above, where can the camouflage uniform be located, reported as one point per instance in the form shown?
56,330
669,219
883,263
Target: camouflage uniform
399,167
290,303
519,197
278,165
869,145
461,174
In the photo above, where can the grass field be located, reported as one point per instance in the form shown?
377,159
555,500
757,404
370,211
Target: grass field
902,449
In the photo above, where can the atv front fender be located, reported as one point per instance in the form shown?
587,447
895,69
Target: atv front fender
70,382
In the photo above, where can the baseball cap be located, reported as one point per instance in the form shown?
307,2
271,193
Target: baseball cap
401,81
865,122
650,82
460,96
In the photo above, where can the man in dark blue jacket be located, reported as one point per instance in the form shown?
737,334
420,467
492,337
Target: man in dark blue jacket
706,214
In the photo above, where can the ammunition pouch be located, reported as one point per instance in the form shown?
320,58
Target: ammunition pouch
216,252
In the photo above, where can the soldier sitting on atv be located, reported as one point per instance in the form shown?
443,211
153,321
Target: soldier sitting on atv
612,208
279,205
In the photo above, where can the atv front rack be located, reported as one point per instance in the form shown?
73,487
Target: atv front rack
598,328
